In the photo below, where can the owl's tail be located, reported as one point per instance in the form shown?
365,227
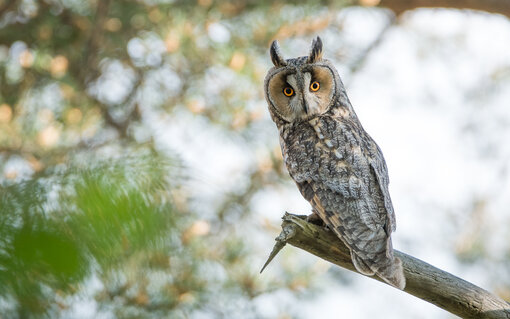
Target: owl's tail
393,273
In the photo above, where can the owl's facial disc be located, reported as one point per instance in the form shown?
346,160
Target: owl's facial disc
311,88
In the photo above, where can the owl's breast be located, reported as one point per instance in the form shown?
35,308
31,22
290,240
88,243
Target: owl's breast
300,152
314,148
327,153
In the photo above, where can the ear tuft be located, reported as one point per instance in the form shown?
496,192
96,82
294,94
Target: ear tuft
276,54
315,51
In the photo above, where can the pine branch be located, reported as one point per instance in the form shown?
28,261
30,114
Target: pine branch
424,281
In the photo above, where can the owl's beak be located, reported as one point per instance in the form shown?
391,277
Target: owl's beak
305,106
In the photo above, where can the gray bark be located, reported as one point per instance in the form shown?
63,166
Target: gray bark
424,281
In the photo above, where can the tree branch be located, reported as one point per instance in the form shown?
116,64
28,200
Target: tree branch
492,6
424,281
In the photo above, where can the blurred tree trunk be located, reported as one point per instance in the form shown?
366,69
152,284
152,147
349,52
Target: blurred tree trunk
399,6
423,280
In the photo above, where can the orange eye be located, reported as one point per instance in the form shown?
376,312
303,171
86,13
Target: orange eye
288,91
315,86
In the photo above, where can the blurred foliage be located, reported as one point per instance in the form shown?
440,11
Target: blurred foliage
72,69
56,229
91,206
115,221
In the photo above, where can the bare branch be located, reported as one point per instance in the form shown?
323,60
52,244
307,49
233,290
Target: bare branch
492,6
424,281
281,241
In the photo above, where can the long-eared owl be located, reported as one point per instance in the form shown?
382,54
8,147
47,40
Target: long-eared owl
336,165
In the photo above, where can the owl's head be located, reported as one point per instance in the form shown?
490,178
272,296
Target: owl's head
301,88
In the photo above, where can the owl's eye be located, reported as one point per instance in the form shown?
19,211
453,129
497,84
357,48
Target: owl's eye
315,86
288,91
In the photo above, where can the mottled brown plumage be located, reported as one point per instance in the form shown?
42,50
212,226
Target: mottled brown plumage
336,165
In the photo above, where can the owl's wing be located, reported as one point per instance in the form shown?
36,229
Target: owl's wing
380,171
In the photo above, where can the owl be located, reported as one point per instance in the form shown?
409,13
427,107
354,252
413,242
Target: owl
336,165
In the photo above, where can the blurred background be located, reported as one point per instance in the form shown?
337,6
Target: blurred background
141,175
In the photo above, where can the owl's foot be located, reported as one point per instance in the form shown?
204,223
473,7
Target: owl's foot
315,219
